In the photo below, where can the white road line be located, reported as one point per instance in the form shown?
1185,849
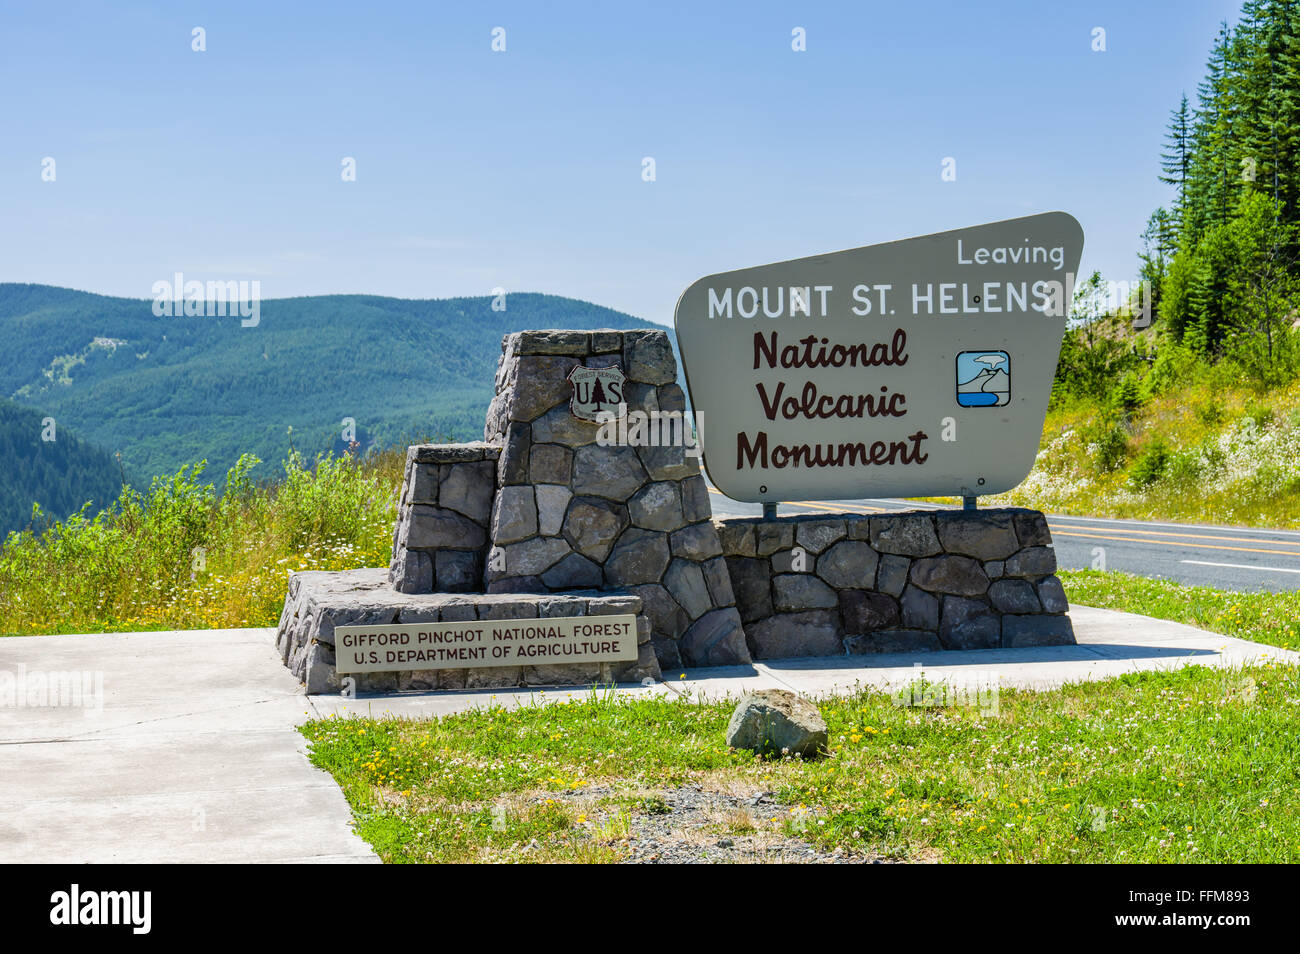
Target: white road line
1243,566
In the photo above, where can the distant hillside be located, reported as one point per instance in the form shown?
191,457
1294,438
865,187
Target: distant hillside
170,391
59,474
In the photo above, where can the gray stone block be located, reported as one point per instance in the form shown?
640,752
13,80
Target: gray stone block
501,677
669,462
349,609
1052,595
849,563
891,577
615,604
719,582
421,483
573,572
543,383
468,488
771,537
667,618
509,607
513,468
983,534
959,575
751,581
685,581
412,572
433,528
532,557
816,535
736,537
515,516
905,534
577,674
811,633
452,453
920,610
715,639
1014,596
593,524
551,342
792,592
517,584
458,571
644,398
550,464
1022,631
639,556
968,624
1031,529
645,666
552,502
858,526
695,499
1032,562
458,610
657,506
667,653
696,542
649,357
893,641
612,472
672,398
605,340
559,426
797,560
863,612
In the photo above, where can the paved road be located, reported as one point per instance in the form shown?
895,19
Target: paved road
1227,558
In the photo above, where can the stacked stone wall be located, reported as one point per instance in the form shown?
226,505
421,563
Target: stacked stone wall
898,582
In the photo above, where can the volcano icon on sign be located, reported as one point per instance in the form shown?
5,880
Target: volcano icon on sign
983,378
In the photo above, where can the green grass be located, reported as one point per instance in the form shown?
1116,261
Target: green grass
1272,618
1186,766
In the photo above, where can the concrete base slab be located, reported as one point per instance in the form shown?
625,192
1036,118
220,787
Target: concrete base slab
180,760
187,761
1110,644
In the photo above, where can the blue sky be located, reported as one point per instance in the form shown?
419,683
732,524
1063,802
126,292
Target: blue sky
522,169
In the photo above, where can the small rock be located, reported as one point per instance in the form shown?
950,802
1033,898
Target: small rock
777,721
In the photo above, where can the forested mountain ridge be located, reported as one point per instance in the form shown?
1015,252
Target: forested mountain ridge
42,463
169,391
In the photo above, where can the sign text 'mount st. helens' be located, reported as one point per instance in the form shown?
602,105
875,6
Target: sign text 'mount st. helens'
920,367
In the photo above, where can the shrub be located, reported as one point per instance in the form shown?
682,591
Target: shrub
1260,414
1150,465
1112,448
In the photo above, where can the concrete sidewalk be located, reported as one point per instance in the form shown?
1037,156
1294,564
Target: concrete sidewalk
191,761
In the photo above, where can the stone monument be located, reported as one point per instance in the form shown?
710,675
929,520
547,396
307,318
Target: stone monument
545,520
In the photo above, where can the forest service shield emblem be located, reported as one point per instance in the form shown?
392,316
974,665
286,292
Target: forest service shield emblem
596,390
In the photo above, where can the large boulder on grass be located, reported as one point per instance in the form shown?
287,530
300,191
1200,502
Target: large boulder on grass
777,722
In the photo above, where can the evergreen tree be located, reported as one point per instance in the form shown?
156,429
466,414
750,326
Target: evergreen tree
1176,160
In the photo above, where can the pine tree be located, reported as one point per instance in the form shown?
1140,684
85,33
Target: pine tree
1176,160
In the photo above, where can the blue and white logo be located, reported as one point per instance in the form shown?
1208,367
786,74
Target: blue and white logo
983,378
